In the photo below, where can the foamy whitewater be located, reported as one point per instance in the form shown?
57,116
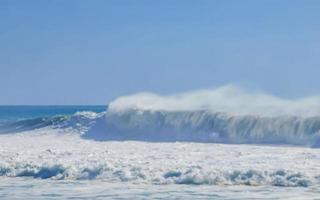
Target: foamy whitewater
224,143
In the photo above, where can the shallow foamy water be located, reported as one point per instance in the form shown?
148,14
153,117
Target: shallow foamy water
48,164
26,188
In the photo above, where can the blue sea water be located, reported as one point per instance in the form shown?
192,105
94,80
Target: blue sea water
13,113
15,119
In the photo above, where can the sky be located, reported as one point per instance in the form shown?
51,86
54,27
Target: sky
90,52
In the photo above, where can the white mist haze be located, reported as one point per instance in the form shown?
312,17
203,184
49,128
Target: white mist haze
229,98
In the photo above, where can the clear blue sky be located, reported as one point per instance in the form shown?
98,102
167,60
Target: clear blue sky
89,52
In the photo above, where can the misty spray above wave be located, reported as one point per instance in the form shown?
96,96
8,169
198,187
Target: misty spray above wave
228,99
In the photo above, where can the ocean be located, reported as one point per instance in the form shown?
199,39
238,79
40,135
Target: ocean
99,152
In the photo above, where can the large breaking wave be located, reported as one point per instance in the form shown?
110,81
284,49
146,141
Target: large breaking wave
226,114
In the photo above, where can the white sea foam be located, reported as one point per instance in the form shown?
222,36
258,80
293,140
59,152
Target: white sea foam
51,154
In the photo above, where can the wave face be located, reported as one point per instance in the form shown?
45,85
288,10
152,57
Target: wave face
207,126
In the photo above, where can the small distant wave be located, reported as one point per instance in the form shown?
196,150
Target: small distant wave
78,121
30,124
189,176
